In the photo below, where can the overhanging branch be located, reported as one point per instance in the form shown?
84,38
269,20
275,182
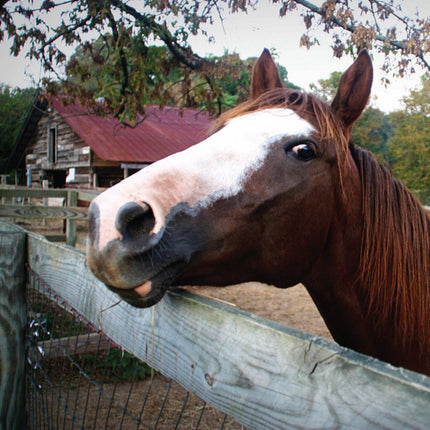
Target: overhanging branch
351,28
182,54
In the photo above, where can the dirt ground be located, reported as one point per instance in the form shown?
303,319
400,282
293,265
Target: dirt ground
292,307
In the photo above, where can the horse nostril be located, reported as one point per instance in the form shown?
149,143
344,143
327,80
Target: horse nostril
134,220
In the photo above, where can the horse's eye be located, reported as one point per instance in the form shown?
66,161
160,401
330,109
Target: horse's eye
303,151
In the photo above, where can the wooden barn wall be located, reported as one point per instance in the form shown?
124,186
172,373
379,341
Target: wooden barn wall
71,151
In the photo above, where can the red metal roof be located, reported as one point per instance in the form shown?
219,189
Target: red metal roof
163,132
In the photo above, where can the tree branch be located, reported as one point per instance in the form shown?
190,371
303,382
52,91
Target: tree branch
69,30
122,59
396,44
182,54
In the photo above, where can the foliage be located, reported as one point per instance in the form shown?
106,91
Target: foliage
156,77
14,106
166,82
418,102
372,24
326,88
118,24
120,365
409,147
372,131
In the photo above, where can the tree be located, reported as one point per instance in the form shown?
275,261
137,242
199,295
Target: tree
409,147
372,24
92,68
14,106
327,88
353,24
373,131
159,78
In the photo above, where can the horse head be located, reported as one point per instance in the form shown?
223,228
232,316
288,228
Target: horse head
256,201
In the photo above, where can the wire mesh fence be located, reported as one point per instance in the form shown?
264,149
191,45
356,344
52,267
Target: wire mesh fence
77,378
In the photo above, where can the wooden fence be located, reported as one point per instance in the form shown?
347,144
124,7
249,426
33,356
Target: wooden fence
12,329
262,374
68,209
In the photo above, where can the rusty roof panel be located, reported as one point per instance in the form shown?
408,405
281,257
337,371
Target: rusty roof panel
162,133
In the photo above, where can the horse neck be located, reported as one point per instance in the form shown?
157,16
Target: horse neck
333,283
371,284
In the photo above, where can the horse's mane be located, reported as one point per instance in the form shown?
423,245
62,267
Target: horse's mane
395,255
395,252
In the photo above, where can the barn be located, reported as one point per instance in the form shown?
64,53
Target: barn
66,144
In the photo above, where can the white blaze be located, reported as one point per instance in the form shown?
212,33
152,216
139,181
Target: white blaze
215,168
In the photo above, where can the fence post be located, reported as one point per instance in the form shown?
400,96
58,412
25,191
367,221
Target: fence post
12,330
72,200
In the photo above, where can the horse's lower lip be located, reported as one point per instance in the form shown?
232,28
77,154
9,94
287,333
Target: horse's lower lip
142,296
152,290
143,289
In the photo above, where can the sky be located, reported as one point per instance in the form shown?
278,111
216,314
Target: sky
248,34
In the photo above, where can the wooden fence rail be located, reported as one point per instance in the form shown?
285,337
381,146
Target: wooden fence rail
69,211
263,374
32,211
10,191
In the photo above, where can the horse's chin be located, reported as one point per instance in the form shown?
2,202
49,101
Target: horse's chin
142,296
150,292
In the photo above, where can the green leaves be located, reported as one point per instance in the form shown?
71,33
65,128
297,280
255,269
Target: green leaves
154,76
409,147
14,106
373,131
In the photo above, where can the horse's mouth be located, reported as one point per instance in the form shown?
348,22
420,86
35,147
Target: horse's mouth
136,299
151,291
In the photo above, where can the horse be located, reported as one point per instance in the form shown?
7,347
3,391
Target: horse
279,194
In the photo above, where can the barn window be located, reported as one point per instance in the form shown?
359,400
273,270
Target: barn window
52,145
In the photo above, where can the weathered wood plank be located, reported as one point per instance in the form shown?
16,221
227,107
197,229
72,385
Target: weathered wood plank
32,192
20,191
72,201
87,195
82,344
56,237
263,374
32,211
82,241
12,329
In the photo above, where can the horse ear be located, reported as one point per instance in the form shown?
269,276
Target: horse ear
265,75
354,90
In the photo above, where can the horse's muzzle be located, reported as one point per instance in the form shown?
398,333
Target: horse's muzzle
134,255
